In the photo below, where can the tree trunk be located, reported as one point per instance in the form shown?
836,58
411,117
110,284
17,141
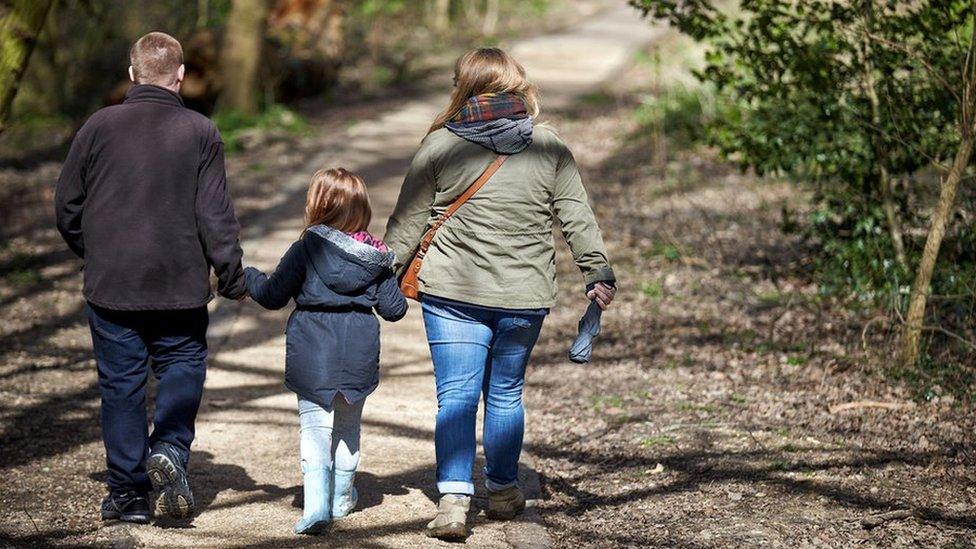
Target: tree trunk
333,40
203,13
894,221
491,18
911,337
441,16
20,23
241,55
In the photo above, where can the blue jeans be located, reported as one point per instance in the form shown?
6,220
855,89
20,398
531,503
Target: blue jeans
330,438
124,342
478,352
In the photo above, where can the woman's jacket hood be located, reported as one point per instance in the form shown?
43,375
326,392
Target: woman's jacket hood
343,263
502,135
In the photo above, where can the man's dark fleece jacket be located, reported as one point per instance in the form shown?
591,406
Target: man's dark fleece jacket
142,199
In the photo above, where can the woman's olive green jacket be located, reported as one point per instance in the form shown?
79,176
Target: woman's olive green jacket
497,250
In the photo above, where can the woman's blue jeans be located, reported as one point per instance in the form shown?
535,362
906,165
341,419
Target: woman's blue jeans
478,353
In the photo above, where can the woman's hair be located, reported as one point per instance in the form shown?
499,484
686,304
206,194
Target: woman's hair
487,70
338,198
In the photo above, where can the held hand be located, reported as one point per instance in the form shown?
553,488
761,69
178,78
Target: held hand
603,294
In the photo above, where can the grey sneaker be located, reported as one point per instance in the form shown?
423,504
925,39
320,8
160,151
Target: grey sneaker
168,475
505,504
451,521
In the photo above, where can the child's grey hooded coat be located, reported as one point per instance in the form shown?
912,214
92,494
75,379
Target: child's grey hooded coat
333,338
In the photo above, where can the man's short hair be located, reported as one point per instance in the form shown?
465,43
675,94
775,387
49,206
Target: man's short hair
155,58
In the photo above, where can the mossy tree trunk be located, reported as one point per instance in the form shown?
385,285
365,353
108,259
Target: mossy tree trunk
241,55
21,22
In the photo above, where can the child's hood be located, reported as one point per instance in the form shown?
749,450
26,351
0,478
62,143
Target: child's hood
343,263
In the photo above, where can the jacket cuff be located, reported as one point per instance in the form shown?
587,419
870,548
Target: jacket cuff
250,278
235,289
600,274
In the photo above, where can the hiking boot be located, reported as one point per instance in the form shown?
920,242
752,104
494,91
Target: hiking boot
126,506
450,524
505,504
168,475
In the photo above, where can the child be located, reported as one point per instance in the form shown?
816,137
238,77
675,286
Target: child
337,274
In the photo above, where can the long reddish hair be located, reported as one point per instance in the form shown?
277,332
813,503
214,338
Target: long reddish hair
338,198
487,70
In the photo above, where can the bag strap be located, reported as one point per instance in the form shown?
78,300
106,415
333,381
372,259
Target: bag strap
458,202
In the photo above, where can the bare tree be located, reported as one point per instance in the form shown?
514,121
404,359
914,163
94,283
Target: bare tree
20,24
441,14
490,21
241,55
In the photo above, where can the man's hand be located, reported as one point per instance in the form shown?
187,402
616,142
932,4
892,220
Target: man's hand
602,294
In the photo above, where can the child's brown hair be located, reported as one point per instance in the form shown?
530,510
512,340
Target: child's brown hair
338,198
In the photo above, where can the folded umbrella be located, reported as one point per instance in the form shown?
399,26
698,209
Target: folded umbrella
589,328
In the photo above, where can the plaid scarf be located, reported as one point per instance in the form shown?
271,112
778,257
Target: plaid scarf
491,106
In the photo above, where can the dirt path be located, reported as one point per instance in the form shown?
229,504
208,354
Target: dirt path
245,460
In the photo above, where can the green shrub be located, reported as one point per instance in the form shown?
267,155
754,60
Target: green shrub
276,118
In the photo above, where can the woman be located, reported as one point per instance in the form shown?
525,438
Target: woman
488,280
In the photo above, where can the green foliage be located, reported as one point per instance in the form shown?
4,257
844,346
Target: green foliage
652,289
673,109
82,52
837,94
857,255
26,277
276,118
395,36
372,8
938,377
683,114
20,270
668,250
33,132
801,73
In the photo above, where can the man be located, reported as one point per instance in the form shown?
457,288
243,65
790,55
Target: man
142,199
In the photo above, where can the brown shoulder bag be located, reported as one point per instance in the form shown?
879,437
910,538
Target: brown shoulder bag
410,283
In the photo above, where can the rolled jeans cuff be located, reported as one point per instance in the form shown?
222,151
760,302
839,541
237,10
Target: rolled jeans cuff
455,487
498,487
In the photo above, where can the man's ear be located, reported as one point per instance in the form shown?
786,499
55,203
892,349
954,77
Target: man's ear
180,73
132,74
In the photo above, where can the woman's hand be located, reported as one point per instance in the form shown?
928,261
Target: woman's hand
602,294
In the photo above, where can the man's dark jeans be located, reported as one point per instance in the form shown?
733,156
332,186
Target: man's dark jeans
124,343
